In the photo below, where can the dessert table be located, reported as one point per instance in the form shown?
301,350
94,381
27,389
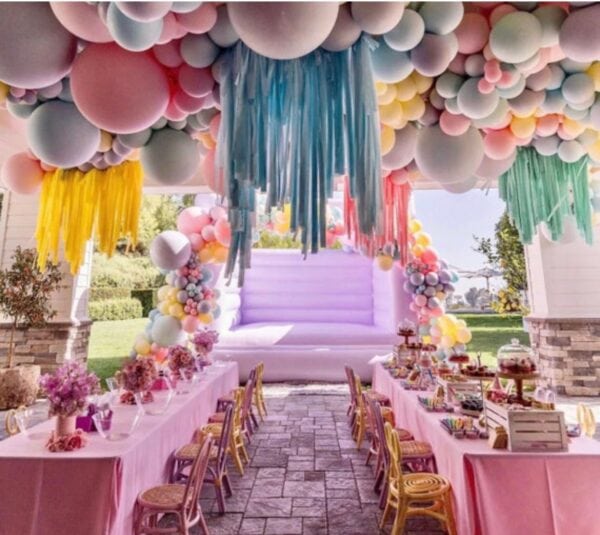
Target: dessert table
93,491
499,492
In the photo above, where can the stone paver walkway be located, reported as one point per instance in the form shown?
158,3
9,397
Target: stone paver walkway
305,474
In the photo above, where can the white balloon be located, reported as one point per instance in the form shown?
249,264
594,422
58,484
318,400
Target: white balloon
377,17
345,32
516,37
462,186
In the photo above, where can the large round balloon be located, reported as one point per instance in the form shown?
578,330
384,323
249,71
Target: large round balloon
472,33
462,186
403,150
551,18
166,331
117,90
377,17
82,20
475,104
579,37
490,168
170,157
441,17
36,50
283,30
223,33
407,33
59,135
434,53
198,50
389,65
21,174
132,34
448,158
345,32
516,37
170,250
144,11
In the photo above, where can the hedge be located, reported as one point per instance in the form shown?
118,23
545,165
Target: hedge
147,298
122,271
115,309
100,294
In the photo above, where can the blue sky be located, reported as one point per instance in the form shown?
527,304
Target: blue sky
452,220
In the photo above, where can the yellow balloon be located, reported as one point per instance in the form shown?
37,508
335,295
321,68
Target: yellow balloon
523,127
406,89
388,96
427,339
464,336
594,151
414,225
163,308
417,250
594,73
221,253
424,239
571,127
388,136
380,88
172,294
205,318
142,347
385,262
133,156
205,254
105,141
391,113
176,310
413,108
423,83
163,292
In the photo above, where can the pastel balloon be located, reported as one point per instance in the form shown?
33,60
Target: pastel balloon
407,33
190,324
36,50
144,11
551,18
474,104
21,174
170,250
417,278
579,37
132,98
82,20
490,168
283,30
198,50
223,232
345,32
475,65
448,158
578,88
223,33
454,125
170,157
166,330
192,220
522,127
187,104
377,17
472,33
389,65
570,151
136,140
201,20
448,84
546,146
463,186
403,149
168,54
434,53
132,34
441,17
196,82
58,134
516,37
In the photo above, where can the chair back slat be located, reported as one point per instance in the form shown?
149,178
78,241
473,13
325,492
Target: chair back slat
378,429
247,401
196,478
359,393
395,456
225,437
351,383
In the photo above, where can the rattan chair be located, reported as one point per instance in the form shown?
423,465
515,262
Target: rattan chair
258,400
416,494
180,500
361,422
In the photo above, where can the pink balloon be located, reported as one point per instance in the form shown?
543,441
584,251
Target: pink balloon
457,65
187,103
82,20
144,11
413,307
168,54
174,113
499,144
213,177
21,174
420,300
547,125
501,11
399,176
508,79
208,233
201,20
472,33
436,312
47,167
117,90
555,53
197,241
429,256
190,324
218,212
223,232
214,125
485,87
170,29
192,220
492,71
196,82
453,125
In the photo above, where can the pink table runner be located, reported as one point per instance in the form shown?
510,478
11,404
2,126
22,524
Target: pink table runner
498,492
93,491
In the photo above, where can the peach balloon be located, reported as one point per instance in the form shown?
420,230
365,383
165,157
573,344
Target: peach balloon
21,174
501,11
197,241
190,324
454,125
523,127
499,144
472,33
547,125
223,232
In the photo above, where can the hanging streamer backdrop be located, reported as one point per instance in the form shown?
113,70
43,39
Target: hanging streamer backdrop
287,128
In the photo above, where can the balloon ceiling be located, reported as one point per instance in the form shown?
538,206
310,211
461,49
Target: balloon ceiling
453,92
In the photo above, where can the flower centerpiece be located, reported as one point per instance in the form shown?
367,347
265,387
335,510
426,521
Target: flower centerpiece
204,342
137,376
181,361
67,390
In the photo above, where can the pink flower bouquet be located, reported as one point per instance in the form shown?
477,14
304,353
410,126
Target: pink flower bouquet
181,361
204,342
137,376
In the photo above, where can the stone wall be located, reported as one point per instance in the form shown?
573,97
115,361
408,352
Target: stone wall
569,352
47,346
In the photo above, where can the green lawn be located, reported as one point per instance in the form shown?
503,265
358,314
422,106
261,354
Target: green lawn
111,341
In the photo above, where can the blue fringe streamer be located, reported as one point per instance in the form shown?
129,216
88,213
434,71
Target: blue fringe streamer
287,128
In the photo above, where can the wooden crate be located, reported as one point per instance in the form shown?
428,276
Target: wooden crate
531,430
467,387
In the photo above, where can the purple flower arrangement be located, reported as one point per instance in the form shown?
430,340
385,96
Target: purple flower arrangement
204,341
68,387
181,359
138,375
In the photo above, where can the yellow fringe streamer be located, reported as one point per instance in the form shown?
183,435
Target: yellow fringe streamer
73,204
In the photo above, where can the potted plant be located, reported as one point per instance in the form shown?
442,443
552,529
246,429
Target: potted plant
25,294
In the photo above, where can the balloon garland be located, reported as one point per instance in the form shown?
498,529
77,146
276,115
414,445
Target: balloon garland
73,204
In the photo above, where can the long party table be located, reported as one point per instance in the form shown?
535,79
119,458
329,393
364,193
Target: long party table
498,492
93,491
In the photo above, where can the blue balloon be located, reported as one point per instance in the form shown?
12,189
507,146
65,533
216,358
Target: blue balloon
204,307
132,34
389,65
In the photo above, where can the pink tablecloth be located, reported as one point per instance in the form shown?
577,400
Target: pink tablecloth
503,493
93,491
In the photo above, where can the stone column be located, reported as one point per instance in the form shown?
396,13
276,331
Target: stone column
67,335
564,323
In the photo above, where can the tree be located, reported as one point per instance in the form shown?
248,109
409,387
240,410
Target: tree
25,293
505,252
474,296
